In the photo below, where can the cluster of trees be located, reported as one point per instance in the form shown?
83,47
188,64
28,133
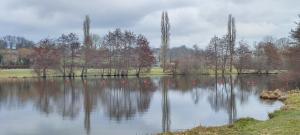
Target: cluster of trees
117,54
267,55
14,52
222,55
14,42
293,53
123,52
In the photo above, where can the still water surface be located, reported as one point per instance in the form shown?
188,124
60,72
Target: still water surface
129,106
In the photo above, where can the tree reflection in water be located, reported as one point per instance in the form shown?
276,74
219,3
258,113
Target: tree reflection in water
166,121
224,96
122,99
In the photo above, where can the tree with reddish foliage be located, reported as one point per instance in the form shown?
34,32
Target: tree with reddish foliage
267,56
294,59
293,53
145,56
243,60
45,57
273,57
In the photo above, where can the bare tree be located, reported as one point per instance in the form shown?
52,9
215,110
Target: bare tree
259,58
243,57
74,45
218,53
124,51
223,49
273,57
63,47
293,53
45,57
130,40
165,37
212,54
145,55
68,46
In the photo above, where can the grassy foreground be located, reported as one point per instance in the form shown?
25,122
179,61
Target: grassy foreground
285,121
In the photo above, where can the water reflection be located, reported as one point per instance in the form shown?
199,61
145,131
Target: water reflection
164,82
132,101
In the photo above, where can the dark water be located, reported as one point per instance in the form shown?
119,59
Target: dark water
130,106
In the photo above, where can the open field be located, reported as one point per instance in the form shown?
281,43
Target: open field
155,71
19,73
6,73
285,121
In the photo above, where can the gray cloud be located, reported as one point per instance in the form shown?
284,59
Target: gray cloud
192,21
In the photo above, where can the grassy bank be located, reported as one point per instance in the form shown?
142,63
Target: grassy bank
20,73
7,73
285,121
155,71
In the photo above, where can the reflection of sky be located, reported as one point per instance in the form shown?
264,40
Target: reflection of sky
184,113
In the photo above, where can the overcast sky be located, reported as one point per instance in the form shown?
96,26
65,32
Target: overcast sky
192,21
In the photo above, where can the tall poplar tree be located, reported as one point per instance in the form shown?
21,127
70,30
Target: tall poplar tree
86,44
165,37
231,38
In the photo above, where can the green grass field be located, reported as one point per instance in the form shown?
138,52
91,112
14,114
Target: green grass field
155,71
19,73
285,121
6,73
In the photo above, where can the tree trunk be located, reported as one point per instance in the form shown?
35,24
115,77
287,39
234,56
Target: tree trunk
216,59
82,71
231,59
64,68
138,72
44,73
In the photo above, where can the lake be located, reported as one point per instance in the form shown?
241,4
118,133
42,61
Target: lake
131,106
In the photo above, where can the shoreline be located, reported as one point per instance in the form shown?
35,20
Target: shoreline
155,71
286,120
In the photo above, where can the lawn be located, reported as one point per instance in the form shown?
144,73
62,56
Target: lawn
285,121
6,73
19,73
155,71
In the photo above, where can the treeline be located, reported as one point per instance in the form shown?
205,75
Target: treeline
223,55
120,53
14,42
116,54
262,57
14,52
